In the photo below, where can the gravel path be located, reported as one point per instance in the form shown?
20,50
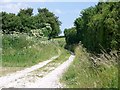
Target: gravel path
51,80
14,76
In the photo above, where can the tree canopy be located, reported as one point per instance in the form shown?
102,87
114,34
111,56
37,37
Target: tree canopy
98,28
25,21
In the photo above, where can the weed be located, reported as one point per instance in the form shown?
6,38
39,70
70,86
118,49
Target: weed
89,71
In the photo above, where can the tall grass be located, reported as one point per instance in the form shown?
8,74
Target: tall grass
21,50
61,41
90,71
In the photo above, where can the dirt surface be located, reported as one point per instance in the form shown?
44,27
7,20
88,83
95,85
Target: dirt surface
26,78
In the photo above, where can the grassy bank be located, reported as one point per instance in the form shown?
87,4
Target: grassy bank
23,51
61,41
52,65
89,71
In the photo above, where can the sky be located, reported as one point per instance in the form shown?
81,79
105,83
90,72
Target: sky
66,11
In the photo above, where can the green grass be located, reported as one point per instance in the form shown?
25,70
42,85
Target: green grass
55,63
84,74
61,41
63,56
24,51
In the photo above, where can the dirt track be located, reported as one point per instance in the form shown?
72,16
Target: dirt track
26,79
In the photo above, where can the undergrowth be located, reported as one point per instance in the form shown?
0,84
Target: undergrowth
90,71
21,50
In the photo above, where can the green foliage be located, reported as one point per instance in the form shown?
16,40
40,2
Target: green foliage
71,38
21,50
28,12
46,16
25,21
61,41
70,35
10,23
36,33
89,71
47,29
98,28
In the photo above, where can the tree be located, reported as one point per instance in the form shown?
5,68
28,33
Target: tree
28,12
99,27
27,19
10,23
70,35
45,16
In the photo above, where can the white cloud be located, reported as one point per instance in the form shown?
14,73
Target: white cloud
12,7
50,0
58,11
4,1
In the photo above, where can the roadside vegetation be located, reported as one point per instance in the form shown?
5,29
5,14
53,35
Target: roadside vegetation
89,71
97,28
24,21
23,50
64,55
27,39
95,40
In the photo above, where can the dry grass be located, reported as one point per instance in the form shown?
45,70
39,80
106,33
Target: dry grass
9,70
90,71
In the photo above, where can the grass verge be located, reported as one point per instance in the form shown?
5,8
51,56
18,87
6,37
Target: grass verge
88,71
52,65
24,51
20,51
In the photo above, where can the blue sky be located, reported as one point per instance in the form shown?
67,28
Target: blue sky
66,11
